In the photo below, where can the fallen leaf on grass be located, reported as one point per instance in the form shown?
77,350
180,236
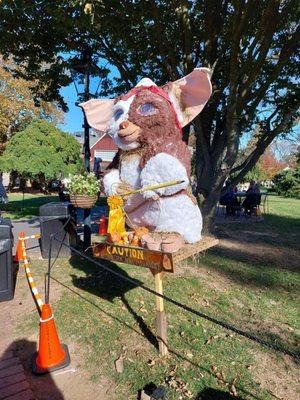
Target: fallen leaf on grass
212,338
119,365
232,391
206,303
143,310
232,388
189,355
218,374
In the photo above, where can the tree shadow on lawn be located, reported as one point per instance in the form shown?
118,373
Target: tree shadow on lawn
108,286
274,230
231,264
27,207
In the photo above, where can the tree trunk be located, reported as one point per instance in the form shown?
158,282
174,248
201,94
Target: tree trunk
208,200
23,183
12,180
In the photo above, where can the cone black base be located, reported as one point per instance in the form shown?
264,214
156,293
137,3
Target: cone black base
40,371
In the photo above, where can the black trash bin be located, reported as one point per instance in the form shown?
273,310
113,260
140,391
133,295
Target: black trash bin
7,267
53,217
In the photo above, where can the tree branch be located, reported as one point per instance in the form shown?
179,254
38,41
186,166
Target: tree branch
188,63
264,142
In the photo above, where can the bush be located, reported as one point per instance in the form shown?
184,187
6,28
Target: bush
287,183
42,152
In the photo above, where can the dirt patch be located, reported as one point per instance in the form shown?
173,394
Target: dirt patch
278,376
73,382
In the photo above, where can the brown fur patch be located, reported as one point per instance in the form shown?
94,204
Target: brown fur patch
159,131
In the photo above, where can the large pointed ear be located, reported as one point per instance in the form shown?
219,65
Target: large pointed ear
190,94
98,112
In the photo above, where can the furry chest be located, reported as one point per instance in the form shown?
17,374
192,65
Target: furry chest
130,170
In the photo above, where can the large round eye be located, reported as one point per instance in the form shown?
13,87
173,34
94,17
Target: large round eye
118,114
147,109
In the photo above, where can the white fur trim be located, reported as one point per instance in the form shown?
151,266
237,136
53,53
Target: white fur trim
113,125
110,182
146,82
180,214
131,171
163,168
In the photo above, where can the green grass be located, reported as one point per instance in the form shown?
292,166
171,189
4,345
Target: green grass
25,206
106,319
280,225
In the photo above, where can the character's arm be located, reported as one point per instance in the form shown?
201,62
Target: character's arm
163,168
111,181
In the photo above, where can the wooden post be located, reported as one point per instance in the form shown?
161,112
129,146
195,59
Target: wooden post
161,320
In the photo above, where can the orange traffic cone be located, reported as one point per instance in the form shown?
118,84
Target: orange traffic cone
19,250
52,355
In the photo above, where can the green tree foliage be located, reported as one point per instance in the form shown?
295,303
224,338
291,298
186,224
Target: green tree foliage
43,152
287,183
250,46
17,105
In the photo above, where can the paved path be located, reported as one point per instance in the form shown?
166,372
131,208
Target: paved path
32,226
18,346
14,384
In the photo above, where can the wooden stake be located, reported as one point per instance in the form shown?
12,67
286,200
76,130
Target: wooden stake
161,320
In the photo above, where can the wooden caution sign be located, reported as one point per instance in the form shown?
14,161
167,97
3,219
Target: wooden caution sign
139,256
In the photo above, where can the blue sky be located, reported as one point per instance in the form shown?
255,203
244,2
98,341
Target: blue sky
74,117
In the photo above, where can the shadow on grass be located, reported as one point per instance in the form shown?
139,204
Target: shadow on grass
146,331
274,230
28,207
213,394
103,284
227,262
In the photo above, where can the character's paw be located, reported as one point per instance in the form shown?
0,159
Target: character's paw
150,194
122,188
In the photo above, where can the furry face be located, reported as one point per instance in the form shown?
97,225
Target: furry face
142,118
127,140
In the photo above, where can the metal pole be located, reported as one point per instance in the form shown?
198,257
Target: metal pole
87,152
86,146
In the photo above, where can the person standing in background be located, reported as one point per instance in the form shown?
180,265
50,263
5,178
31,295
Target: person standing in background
3,194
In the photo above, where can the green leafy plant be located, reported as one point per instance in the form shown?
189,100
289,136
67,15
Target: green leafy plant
287,183
85,184
42,152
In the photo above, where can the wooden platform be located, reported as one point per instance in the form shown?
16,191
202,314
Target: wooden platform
155,260
190,250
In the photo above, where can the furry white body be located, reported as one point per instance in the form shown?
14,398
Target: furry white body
172,212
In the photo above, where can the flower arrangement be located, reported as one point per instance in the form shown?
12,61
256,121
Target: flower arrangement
83,189
85,184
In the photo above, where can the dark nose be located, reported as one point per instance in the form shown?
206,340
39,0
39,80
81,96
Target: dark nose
124,125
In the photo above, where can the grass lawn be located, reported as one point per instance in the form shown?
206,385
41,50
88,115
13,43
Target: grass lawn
248,281
25,206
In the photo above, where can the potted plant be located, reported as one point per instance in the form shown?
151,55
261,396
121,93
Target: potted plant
83,189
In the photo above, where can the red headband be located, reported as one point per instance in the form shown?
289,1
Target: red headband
160,92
